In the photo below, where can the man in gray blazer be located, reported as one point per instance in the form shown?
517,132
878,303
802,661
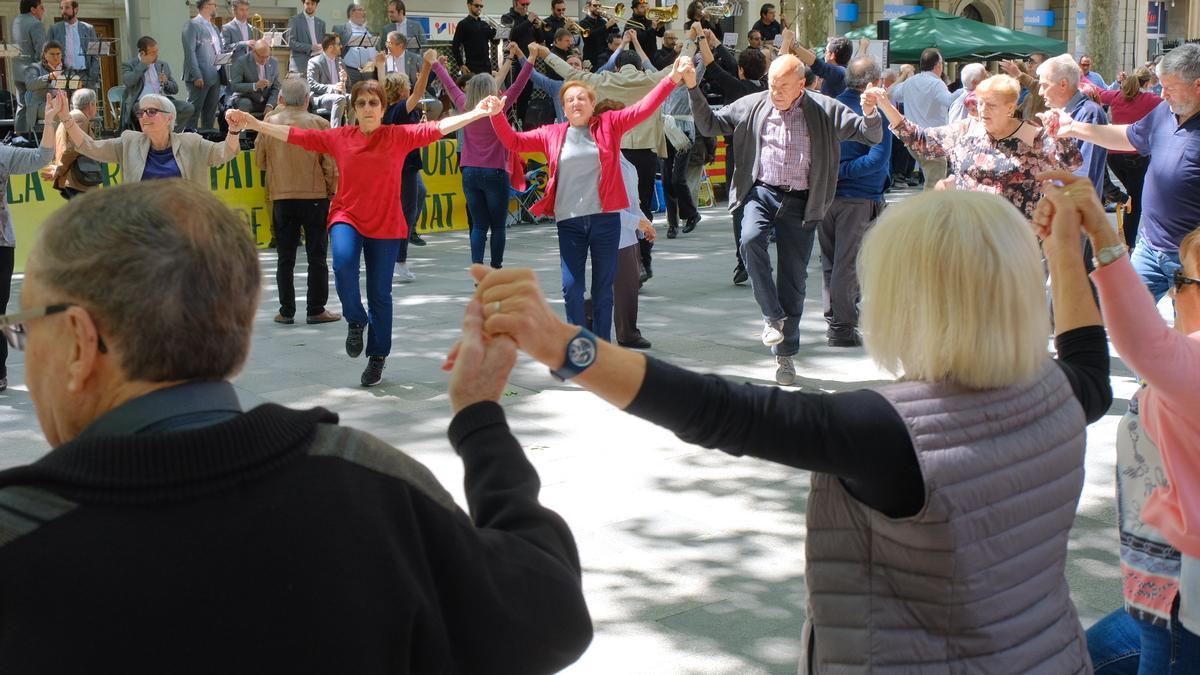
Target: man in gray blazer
237,35
255,80
201,45
355,58
409,28
147,75
29,34
325,84
305,31
75,36
774,132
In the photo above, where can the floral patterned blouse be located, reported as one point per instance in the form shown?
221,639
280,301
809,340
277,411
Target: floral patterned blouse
1005,167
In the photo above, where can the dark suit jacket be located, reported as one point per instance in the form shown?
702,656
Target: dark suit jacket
244,75
87,35
133,76
301,40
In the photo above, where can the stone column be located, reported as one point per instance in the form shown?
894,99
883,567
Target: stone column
1034,5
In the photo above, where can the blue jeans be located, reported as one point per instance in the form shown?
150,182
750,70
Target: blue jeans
487,200
1122,645
601,233
763,208
1155,267
346,245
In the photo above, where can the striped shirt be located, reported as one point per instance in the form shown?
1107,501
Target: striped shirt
785,151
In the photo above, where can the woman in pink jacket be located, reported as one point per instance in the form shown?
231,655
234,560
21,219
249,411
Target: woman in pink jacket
585,192
1158,448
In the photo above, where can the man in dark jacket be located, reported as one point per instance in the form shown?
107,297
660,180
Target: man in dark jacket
273,538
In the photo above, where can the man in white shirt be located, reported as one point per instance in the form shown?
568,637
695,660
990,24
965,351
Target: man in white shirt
201,45
926,102
355,57
75,36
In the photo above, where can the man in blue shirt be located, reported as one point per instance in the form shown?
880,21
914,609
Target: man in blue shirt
1085,65
862,177
1058,83
1170,135
831,69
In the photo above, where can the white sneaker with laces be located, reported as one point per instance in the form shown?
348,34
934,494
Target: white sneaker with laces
771,334
404,274
785,374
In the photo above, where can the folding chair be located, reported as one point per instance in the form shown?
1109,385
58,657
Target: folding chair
535,187
113,98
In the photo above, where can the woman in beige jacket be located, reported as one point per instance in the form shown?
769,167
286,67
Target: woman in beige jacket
156,151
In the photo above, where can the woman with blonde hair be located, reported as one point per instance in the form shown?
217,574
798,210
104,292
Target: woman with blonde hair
995,152
937,524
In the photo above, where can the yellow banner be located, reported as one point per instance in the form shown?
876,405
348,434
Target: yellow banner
241,186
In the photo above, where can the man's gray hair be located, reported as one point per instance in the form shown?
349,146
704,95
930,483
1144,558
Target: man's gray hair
397,37
294,92
82,98
890,75
1182,62
164,104
972,74
234,4
1061,67
862,73
169,273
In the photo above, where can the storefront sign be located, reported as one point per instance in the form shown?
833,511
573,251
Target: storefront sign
846,11
896,11
1039,17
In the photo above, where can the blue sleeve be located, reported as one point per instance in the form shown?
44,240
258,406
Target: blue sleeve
879,156
821,68
612,60
1139,133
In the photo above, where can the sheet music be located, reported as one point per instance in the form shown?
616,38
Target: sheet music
276,38
223,59
99,48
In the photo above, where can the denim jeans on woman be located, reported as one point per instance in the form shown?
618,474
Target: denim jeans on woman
487,200
347,246
599,233
1122,645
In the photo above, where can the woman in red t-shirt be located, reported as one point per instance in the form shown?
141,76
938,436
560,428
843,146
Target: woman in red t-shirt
366,218
1126,106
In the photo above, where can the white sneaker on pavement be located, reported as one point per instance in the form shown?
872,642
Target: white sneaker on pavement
771,334
403,274
785,374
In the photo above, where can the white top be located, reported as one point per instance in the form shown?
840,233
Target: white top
357,57
926,100
631,216
150,83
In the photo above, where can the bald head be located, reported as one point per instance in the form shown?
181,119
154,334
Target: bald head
785,81
262,50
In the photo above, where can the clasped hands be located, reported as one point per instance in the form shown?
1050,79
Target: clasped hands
1069,204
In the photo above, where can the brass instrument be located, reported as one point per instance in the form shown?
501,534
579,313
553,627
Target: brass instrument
659,14
574,27
256,20
617,10
491,21
717,10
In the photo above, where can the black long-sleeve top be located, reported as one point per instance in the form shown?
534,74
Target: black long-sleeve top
283,544
472,44
597,39
768,32
855,435
647,37
730,87
522,30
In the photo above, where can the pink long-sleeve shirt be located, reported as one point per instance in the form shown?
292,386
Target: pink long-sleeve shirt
1169,361
480,147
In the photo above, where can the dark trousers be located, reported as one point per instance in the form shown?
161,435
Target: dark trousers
486,191
204,101
8,258
1130,169
646,164
840,236
680,204
290,217
600,234
412,198
625,295
781,300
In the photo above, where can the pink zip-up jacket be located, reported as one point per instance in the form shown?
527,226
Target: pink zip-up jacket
607,129
1169,361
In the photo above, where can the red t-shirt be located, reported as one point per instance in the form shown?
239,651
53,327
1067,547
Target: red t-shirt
369,169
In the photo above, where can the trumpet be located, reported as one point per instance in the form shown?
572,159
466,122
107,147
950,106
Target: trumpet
659,14
574,27
614,11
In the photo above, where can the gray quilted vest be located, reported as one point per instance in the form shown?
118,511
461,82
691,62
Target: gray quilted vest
975,582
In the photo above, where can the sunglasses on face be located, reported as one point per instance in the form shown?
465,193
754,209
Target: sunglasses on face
1179,281
147,112
367,103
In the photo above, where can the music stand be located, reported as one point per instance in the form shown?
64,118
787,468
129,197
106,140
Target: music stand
363,40
101,47
223,59
10,50
276,38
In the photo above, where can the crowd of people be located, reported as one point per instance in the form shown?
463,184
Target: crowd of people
953,482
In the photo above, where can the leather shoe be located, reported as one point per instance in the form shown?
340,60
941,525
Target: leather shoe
672,231
324,317
740,275
638,343
286,320
415,239
844,340
691,223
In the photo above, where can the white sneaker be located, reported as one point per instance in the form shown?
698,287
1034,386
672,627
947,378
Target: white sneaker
771,334
403,274
785,374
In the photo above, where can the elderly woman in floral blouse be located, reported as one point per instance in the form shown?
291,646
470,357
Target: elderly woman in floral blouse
995,152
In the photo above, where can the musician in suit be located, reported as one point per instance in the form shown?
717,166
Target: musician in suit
147,75
238,35
201,45
75,36
29,34
355,58
255,80
41,77
327,79
409,28
399,59
305,31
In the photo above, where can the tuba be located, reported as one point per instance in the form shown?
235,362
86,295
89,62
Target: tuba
716,11
663,14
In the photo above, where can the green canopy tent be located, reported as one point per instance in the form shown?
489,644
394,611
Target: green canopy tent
958,38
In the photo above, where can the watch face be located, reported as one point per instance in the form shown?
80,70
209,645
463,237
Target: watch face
581,352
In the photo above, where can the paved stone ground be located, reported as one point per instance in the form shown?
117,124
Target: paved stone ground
693,560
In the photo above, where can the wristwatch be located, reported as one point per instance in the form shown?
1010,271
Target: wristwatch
581,353
1109,255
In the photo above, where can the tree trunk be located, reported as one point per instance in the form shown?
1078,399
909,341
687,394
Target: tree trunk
376,14
1100,38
